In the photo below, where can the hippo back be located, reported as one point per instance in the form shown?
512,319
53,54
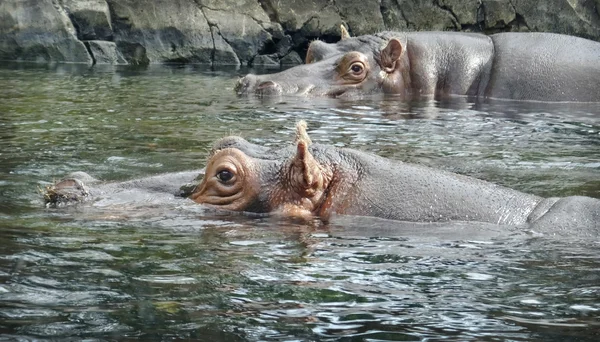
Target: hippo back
544,67
415,193
444,63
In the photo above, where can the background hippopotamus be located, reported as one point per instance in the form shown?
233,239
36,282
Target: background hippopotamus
520,66
308,180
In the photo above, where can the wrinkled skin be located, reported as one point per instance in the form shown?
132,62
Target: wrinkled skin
520,66
315,180
80,187
307,181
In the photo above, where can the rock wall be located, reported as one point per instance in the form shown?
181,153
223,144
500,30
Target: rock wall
249,32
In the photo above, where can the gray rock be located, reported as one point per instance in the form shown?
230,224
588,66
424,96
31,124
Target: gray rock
274,29
223,53
105,52
265,61
237,31
415,15
498,13
466,12
245,36
242,24
392,17
251,8
161,31
362,17
91,18
36,30
283,46
575,17
293,58
293,15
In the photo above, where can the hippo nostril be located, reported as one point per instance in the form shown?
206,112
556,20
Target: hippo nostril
253,84
266,85
268,88
244,84
241,85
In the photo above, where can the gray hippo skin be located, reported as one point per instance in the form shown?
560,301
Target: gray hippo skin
308,180
312,180
80,187
519,66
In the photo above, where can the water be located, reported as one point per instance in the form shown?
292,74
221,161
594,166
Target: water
169,269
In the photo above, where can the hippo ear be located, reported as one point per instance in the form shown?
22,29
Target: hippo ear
390,55
344,33
301,134
305,171
306,174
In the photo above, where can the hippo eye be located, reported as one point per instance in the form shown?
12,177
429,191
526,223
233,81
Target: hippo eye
224,176
357,68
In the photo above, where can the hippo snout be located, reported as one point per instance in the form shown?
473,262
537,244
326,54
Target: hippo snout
251,84
268,88
244,84
65,191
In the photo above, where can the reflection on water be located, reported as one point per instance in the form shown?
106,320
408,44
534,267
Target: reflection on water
176,270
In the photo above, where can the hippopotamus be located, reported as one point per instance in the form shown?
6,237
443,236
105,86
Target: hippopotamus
79,187
309,180
511,65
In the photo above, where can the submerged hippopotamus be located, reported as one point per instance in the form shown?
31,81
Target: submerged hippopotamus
313,180
80,187
520,66
308,180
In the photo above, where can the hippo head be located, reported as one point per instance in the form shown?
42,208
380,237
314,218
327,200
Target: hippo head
71,189
297,181
359,65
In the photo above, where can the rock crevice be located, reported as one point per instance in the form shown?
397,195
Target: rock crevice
247,32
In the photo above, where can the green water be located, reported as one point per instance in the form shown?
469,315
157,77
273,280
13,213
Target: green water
173,270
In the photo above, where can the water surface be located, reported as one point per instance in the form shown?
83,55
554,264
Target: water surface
173,270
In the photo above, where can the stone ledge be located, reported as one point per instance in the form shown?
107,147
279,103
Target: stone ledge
234,32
